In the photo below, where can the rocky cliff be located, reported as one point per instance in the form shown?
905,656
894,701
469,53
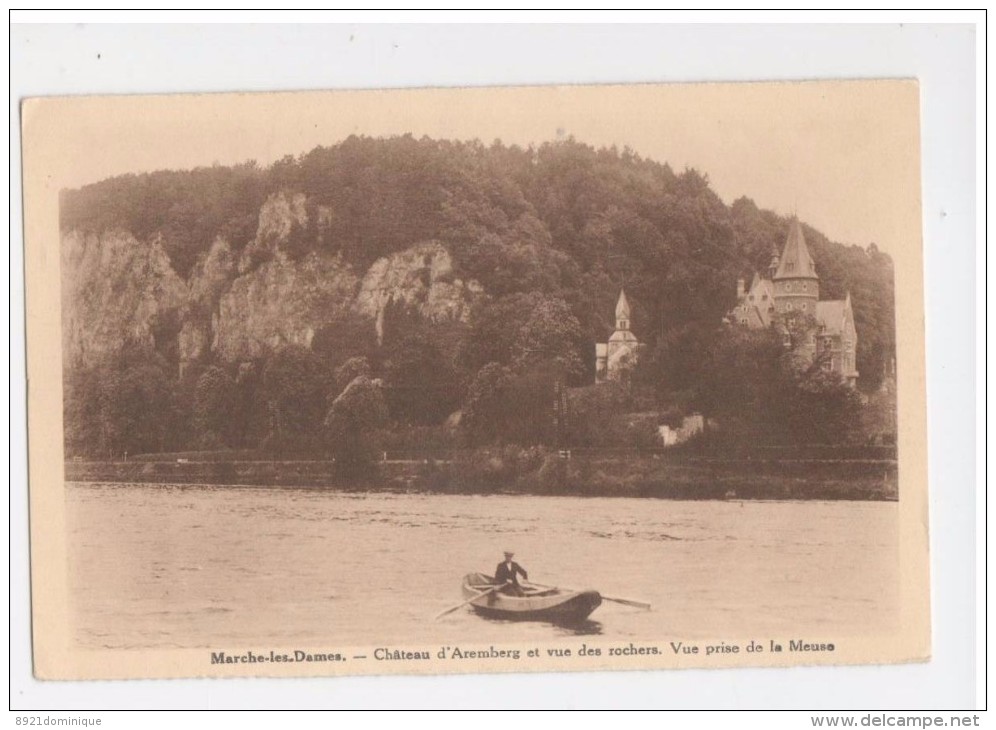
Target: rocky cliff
281,302
115,291
236,305
421,278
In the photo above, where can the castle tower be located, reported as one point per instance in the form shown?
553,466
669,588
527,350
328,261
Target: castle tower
797,287
793,287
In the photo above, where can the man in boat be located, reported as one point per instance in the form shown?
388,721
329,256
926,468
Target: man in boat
507,575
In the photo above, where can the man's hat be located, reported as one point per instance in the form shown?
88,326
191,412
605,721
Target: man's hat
509,553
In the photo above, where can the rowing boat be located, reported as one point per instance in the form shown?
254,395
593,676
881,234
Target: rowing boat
538,604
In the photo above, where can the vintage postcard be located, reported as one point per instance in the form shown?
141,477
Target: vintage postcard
476,380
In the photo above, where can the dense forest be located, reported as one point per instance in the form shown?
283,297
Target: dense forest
549,234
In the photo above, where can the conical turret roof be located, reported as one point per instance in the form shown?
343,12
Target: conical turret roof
796,263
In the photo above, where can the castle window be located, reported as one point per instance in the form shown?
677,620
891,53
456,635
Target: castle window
805,286
743,320
790,266
790,286
789,306
752,297
764,297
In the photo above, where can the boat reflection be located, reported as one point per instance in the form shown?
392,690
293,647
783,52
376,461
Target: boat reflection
586,627
583,627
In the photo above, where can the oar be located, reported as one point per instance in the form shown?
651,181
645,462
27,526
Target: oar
461,605
624,601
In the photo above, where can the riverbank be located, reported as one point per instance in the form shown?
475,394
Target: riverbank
535,472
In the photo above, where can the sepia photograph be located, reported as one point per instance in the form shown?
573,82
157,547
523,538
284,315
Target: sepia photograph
477,380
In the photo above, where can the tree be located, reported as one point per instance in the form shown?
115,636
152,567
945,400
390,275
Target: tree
82,414
676,363
505,406
346,336
295,384
215,408
487,409
520,259
253,416
823,409
764,392
422,387
136,403
523,330
353,368
594,415
184,395
126,404
551,334
743,384
493,330
352,423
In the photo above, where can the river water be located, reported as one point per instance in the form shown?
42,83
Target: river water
166,566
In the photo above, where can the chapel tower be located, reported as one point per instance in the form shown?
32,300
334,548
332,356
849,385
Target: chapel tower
613,359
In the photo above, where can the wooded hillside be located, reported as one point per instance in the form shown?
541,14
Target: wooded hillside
547,235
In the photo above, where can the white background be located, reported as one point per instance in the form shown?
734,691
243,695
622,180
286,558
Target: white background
62,59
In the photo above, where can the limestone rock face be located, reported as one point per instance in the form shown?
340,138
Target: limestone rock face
287,224
420,277
212,274
193,341
115,290
282,289
281,302
280,216
210,278
278,300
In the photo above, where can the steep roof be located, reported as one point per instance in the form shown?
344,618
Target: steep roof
757,318
622,306
757,303
796,263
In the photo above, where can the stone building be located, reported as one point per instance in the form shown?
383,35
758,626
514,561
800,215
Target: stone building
792,290
613,359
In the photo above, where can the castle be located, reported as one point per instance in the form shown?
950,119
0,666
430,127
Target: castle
792,289
614,358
